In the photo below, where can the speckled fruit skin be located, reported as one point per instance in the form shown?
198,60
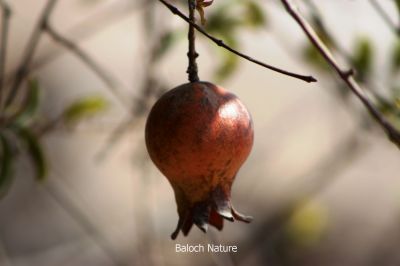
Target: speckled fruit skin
199,135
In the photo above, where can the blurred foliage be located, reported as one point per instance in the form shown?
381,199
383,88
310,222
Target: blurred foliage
362,59
307,224
397,2
223,21
395,55
35,151
84,108
6,161
20,131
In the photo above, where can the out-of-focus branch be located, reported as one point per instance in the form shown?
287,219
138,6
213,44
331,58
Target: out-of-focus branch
221,43
54,191
5,24
112,83
30,50
346,75
382,13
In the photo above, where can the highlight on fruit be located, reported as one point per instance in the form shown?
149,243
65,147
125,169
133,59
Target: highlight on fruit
199,135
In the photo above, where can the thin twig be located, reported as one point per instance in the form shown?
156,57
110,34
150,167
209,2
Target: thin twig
111,82
382,13
192,54
220,43
30,49
346,75
5,22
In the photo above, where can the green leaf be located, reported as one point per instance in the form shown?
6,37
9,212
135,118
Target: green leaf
363,58
227,67
314,58
222,22
395,56
167,41
254,15
35,152
31,105
6,164
84,108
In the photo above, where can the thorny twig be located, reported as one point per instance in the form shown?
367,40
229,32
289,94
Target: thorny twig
346,75
5,22
221,43
389,22
30,49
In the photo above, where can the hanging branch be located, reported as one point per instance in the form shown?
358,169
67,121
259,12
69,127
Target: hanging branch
5,22
389,22
346,75
220,43
30,51
192,54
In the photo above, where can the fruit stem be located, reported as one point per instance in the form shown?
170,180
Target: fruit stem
192,54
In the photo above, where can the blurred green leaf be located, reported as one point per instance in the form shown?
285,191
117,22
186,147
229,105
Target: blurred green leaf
222,22
363,58
397,2
314,58
227,67
167,41
6,162
307,223
84,108
254,15
31,104
395,56
35,152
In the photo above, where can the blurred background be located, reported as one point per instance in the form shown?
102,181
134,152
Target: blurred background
78,188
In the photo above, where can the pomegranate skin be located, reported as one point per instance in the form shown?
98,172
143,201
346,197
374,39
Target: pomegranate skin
199,135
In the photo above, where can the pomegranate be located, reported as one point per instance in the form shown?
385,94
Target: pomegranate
199,135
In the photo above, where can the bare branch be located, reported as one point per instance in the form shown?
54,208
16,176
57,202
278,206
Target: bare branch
192,54
382,13
220,43
30,49
112,83
5,22
345,74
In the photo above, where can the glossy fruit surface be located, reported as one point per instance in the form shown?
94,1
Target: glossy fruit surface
199,135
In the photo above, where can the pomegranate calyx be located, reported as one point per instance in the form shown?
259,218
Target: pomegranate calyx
209,212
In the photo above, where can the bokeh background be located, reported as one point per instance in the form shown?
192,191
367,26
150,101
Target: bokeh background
322,181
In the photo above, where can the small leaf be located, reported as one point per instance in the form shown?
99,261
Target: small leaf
35,152
31,105
395,56
363,58
6,163
254,15
84,108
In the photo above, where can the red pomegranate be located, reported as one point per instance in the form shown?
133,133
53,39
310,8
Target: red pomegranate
199,135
